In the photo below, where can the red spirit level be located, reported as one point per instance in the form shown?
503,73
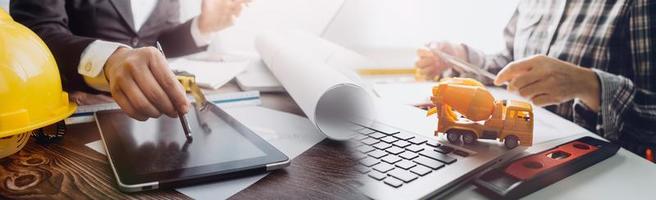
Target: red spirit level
531,173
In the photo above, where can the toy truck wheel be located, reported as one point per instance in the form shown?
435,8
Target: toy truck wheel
453,136
469,137
511,141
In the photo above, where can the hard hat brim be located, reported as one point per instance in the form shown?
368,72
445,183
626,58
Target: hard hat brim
60,116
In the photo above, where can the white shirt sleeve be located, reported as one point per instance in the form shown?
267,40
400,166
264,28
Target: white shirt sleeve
93,60
199,38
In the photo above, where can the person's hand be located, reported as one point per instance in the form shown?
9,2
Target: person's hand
548,81
143,85
217,15
429,66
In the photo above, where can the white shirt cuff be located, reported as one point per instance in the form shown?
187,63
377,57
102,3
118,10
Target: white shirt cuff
95,55
93,60
199,38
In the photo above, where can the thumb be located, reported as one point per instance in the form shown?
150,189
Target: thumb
513,70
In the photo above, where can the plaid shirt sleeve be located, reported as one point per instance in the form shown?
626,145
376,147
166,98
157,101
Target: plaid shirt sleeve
628,111
494,62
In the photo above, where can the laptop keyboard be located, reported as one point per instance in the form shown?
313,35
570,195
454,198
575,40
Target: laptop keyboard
397,158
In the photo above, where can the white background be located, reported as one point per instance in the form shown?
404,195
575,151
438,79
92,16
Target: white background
403,25
395,23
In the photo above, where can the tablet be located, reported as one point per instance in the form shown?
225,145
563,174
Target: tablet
156,154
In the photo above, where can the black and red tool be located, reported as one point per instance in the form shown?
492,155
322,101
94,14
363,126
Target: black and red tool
531,173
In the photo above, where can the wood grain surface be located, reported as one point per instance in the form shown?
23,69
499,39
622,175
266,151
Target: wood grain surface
65,170
326,171
70,170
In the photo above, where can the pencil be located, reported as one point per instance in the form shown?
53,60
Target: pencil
183,118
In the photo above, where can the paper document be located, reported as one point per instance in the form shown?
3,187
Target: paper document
258,77
211,74
289,133
317,74
415,93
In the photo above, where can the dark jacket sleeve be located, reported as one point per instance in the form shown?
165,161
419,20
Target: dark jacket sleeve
48,19
177,41
52,21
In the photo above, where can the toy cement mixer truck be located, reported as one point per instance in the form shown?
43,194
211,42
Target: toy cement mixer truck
466,109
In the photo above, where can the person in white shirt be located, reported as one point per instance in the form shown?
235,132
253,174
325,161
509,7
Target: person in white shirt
108,46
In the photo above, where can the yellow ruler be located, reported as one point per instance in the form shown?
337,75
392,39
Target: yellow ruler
386,71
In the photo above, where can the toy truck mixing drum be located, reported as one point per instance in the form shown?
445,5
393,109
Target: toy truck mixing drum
466,109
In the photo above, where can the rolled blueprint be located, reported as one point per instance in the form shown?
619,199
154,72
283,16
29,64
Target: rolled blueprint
315,74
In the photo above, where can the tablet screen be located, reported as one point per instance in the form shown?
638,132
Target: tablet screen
159,145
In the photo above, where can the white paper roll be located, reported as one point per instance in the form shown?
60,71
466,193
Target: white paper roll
306,67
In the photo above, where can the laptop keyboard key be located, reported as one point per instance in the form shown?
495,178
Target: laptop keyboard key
383,167
369,162
403,175
395,150
369,141
430,163
401,143
393,182
404,164
359,156
408,155
377,135
444,149
433,143
389,139
355,143
377,154
365,131
421,170
377,175
361,137
391,159
437,156
384,129
414,148
362,169
417,141
382,145
365,149
404,136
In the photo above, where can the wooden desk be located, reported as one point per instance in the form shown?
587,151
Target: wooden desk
70,170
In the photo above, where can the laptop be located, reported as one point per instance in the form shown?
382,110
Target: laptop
398,163
398,160
398,155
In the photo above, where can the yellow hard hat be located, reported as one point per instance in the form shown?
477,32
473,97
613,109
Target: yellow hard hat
31,95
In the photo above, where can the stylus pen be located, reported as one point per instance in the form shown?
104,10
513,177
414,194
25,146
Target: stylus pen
183,119
459,63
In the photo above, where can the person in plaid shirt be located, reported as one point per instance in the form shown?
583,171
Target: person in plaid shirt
592,62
